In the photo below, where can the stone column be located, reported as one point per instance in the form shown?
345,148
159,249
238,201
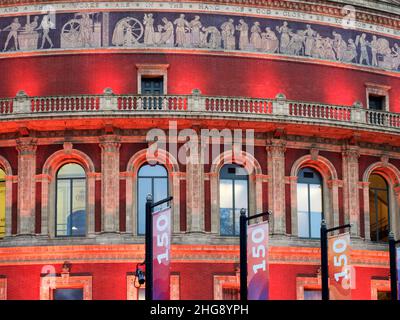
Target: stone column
195,190
110,183
26,185
276,171
333,185
365,187
350,188
293,204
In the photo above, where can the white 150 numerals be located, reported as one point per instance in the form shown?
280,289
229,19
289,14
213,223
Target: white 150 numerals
162,225
340,260
258,248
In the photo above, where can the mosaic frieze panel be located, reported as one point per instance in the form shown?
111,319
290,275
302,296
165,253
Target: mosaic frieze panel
197,31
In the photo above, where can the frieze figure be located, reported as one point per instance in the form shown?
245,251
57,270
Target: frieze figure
166,33
309,40
363,43
255,38
195,28
29,37
374,45
148,23
14,27
339,45
46,25
127,32
212,38
285,37
181,26
243,29
269,41
228,35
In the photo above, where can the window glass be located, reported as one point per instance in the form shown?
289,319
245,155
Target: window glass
233,196
309,203
379,208
71,201
151,180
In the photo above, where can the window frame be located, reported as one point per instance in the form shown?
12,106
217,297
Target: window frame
220,177
376,205
152,70
378,90
71,200
152,190
302,180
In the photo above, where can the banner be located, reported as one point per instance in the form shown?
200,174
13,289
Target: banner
340,281
398,271
161,254
257,261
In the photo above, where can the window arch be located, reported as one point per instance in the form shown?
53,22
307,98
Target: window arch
379,212
2,203
233,196
309,203
70,200
152,179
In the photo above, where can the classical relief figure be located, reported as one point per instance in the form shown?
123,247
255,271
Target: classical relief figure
255,38
374,45
269,41
243,29
211,38
127,32
309,40
46,25
228,35
363,43
166,32
181,25
339,45
13,34
295,46
148,23
285,37
351,51
195,26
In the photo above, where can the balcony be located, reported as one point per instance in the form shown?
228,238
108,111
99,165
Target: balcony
197,105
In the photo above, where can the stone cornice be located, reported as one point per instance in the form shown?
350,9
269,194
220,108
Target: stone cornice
124,253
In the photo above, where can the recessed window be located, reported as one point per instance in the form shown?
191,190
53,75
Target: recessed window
309,203
152,86
376,102
230,293
151,180
233,196
68,294
384,295
378,208
71,201
312,294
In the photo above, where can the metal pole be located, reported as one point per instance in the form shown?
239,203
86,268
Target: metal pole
149,248
324,262
243,255
393,268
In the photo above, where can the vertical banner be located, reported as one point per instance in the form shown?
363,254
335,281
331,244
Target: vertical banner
339,267
398,271
257,261
161,254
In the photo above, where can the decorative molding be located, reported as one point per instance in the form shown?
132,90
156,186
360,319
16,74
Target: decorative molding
307,282
50,282
223,281
379,285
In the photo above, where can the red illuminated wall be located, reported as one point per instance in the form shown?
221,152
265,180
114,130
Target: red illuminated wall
109,280
213,75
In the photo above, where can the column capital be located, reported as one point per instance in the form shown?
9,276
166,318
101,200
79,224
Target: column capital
26,146
277,147
351,152
335,183
110,143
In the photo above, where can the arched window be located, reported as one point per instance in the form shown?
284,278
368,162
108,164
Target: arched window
309,203
2,203
378,208
153,180
71,201
233,196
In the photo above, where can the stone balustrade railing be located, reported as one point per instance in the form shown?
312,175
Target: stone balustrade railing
280,107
